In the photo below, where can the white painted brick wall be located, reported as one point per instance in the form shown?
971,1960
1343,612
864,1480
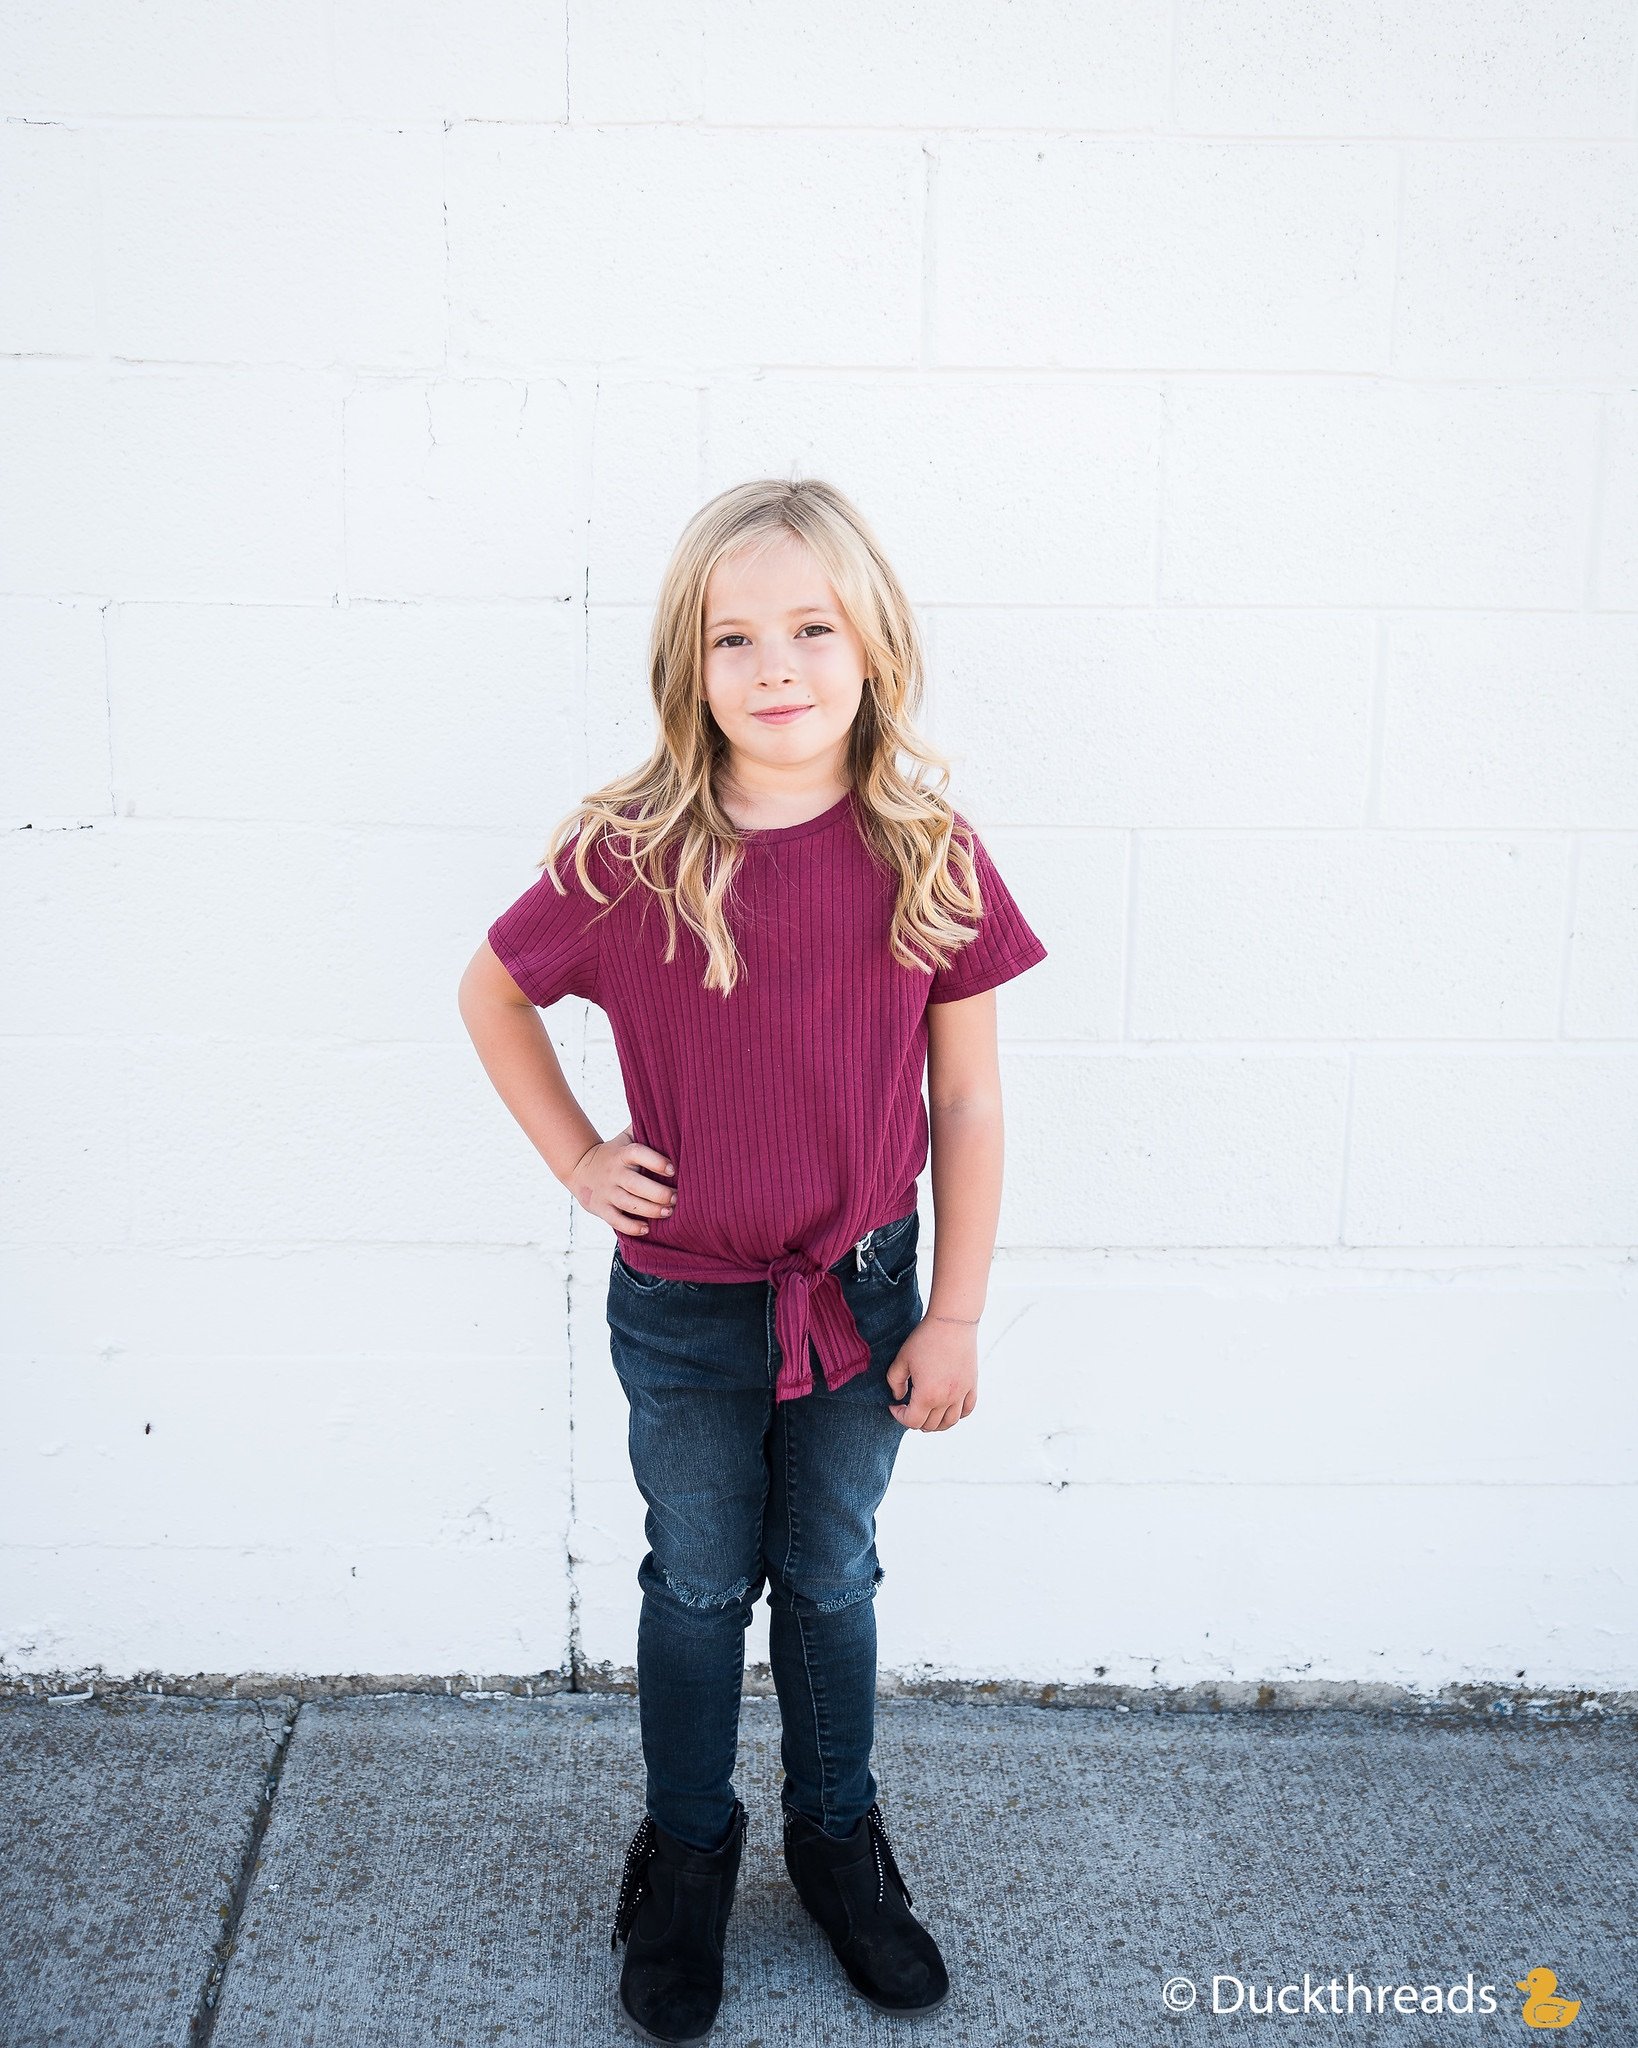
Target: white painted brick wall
1249,397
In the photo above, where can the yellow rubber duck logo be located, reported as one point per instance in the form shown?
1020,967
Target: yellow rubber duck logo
1542,2006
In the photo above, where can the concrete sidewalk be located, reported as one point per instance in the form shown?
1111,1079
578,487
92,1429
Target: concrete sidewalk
443,1870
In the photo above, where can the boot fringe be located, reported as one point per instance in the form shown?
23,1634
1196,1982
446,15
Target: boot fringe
884,1855
633,1881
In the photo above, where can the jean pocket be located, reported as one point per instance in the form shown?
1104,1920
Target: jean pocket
646,1283
891,1257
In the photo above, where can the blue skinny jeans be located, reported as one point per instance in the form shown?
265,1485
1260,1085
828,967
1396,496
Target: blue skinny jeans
745,1492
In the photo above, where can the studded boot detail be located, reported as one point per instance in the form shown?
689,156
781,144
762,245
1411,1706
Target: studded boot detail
855,1891
673,1917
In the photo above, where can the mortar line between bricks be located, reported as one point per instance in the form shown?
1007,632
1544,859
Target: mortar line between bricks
203,2023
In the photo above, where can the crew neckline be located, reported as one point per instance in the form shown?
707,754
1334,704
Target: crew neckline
754,834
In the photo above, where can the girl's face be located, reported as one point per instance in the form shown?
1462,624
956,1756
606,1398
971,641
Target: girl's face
777,642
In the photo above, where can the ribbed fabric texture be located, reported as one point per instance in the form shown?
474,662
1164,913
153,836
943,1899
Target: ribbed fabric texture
791,1109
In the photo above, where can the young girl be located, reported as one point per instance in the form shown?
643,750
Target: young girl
785,927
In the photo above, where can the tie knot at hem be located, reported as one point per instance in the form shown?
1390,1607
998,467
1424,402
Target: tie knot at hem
810,1307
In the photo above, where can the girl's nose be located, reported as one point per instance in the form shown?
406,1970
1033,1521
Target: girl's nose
773,661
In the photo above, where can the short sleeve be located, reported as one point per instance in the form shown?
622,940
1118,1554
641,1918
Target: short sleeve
1005,944
548,943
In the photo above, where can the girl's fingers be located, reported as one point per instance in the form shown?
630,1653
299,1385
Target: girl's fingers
645,1156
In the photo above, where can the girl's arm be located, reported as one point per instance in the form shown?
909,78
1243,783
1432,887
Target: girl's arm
966,1142
935,1377
518,1056
611,1180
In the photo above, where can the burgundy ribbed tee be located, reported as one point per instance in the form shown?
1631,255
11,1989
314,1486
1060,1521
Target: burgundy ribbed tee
792,1109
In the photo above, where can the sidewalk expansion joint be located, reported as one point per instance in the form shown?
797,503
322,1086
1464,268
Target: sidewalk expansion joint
204,2017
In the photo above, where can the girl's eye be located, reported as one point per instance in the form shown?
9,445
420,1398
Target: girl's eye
819,623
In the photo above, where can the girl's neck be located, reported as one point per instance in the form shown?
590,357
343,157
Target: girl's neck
758,810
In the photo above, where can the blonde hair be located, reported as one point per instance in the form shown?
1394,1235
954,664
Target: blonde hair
664,819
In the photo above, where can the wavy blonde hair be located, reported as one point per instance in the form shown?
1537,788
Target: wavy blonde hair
664,820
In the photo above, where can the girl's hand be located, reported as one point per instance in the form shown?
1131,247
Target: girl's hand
609,1181
942,1359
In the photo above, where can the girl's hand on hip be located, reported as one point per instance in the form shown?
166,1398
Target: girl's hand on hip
941,1359
615,1180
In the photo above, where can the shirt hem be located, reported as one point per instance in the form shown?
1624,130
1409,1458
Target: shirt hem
511,960
993,975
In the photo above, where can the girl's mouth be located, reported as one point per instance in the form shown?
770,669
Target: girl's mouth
782,717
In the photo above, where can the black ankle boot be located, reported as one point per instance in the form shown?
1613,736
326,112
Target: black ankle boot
673,1918
854,1890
